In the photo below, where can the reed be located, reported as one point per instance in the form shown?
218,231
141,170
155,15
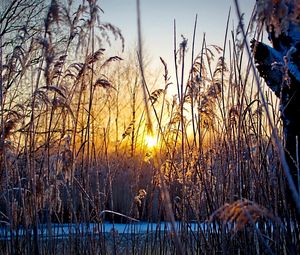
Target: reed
74,156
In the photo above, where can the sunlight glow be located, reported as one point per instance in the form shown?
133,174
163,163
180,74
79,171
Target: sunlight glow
151,141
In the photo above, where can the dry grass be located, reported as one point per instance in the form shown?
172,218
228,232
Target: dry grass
241,213
72,145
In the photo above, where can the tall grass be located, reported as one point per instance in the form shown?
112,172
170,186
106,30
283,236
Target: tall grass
74,124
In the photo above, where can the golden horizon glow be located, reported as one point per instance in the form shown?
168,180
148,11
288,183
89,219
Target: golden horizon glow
150,141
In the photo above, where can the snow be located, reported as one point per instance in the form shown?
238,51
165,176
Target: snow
60,231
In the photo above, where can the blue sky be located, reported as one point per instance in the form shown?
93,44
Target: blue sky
158,17
157,22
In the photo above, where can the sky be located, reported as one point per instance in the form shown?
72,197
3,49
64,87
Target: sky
157,19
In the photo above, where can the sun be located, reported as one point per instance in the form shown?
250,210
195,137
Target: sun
151,141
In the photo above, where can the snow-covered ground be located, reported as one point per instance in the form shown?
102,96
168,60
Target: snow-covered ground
95,229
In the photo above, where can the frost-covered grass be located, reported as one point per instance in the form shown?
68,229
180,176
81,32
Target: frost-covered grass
73,146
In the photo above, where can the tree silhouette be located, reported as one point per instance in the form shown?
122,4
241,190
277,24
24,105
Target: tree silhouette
279,66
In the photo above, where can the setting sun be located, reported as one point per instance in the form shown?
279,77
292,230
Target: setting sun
147,127
151,141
